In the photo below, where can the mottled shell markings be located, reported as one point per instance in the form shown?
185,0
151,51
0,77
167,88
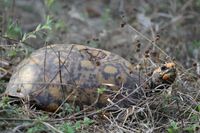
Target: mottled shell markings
110,70
73,73
27,77
55,92
52,106
87,64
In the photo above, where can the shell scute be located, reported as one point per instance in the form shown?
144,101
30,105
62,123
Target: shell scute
58,73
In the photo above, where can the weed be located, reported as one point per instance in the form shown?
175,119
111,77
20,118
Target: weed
6,3
13,30
4,103
173,127
10,111
60,25
196,44
106,16
192,128
69,109
101,90
68,127
198,108
38,127
49,3
2,87
39,28
87,121
198,3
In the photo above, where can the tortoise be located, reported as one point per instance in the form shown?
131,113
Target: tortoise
76,73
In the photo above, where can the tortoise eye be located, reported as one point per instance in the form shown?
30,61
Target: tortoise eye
163,68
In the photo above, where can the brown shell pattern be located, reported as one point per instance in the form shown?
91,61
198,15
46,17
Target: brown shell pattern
58,73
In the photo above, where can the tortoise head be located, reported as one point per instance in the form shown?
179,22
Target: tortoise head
163,76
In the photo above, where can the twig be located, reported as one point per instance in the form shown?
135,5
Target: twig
23,126
51,127
16,119
96,112
152,42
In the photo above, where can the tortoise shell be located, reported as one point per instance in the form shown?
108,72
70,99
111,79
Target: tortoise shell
74,73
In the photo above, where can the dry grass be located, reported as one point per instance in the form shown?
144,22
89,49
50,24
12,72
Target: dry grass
156,32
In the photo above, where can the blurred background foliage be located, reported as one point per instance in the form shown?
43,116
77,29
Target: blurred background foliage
161,30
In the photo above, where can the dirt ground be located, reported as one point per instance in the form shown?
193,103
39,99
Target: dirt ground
147,33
